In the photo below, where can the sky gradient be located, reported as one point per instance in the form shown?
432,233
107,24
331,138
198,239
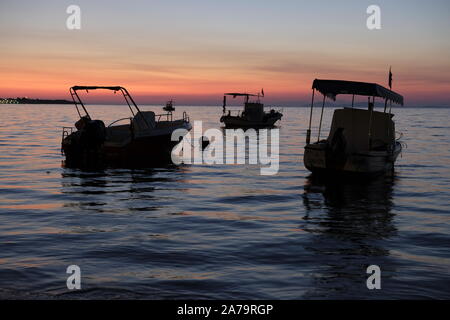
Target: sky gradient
194,51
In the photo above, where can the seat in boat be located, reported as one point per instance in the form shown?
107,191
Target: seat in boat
144,120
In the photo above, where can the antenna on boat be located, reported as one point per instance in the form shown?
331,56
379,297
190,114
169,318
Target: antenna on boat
390,77
260,94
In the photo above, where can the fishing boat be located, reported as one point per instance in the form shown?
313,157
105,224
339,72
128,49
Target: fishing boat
253,115
169,106
144,139
360,142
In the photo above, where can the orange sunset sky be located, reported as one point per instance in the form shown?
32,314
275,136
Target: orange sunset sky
194,51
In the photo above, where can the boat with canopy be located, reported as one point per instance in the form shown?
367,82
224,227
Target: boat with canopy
144,138
360,141
253,115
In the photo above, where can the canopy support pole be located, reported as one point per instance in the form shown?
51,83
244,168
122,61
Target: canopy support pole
353,101
75,94
224,107
370,122
308,133
321,116
389,127
127,96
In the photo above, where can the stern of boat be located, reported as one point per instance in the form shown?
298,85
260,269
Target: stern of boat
314,158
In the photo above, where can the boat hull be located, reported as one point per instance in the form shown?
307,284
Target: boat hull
320,161
239,122
139,151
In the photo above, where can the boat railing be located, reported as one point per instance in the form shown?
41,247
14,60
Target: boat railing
168,116
66,131
114,122
185,117
236,113
274,108
159,117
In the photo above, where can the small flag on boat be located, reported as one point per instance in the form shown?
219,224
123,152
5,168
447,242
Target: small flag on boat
390,77
262,92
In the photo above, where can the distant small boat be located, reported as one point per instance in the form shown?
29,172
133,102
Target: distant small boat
169,106
253,115
145,139
360,141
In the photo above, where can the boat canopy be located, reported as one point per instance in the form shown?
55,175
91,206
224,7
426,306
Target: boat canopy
237,94
77,101
114,88
331,88
241,95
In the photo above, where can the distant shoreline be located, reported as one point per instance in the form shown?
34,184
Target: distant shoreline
33,101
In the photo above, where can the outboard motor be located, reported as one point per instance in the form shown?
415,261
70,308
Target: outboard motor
80,124
93,134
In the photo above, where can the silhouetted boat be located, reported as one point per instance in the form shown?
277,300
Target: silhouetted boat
360,141
253,115
145,139
169,106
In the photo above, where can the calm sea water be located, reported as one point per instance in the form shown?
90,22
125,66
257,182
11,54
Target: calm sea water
220,231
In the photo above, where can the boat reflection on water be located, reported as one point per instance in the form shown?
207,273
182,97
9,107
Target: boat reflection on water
364,204
351,223
117,191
